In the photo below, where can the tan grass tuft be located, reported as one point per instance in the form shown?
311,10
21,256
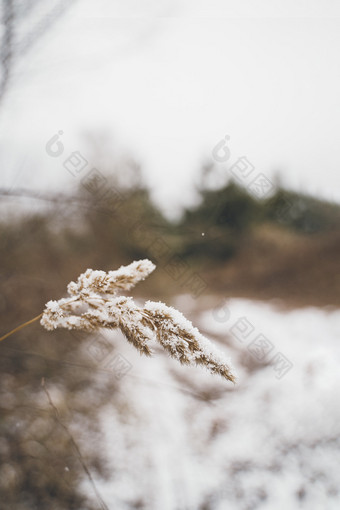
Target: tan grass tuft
94,303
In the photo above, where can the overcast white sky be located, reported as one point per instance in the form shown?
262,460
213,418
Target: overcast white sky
167,80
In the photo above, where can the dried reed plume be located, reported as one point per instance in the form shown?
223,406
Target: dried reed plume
94,303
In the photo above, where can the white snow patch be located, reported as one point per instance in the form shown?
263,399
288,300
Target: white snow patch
265,443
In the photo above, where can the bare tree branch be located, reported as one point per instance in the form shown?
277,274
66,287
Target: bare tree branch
6,53
15,41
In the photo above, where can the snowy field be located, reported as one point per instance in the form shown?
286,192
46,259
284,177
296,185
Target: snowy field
178,438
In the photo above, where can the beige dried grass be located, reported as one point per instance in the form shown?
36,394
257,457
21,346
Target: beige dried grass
94,303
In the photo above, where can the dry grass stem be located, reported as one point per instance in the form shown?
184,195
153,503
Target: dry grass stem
94,303
18,328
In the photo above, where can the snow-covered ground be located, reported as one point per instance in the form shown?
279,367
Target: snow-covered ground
178,438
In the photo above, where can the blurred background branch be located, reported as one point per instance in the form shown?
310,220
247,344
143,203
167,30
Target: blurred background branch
23,24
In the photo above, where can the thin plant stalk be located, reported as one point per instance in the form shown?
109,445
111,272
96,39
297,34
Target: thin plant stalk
21,327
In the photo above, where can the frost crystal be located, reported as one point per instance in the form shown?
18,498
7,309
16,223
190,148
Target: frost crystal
94,303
